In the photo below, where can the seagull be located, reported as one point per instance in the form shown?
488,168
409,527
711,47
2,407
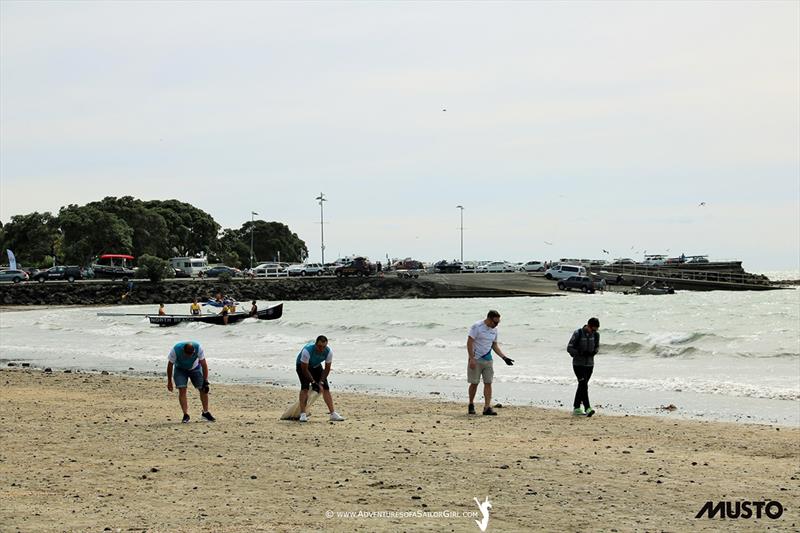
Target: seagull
548,243
702,204
444,109
605,251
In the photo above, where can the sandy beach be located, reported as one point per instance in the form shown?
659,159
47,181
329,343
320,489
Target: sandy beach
86,452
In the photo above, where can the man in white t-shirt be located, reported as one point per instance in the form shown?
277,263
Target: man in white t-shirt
482,340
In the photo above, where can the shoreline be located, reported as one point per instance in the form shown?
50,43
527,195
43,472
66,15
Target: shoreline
89,451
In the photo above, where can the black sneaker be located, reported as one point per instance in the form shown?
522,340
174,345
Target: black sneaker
185,419
471,409
489,412
207,415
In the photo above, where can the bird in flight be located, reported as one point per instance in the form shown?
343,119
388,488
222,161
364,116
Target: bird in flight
702,204
605,251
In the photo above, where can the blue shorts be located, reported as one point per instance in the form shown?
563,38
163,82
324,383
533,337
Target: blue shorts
182,377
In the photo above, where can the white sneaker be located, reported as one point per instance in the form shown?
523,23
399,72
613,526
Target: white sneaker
336,417
303,417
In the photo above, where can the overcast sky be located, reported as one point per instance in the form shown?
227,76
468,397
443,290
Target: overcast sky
590,126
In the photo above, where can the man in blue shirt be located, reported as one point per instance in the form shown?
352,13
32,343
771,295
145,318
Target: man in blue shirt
187,361
312,376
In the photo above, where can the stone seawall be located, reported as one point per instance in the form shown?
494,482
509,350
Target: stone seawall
146,292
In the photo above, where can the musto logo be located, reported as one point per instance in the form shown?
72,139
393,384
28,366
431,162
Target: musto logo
745,510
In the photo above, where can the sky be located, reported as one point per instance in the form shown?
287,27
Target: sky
562,128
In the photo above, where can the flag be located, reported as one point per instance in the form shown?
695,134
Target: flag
12,261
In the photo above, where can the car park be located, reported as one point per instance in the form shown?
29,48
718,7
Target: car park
584,283
564,271
218,271
308,269
496,266
532,266
14,276
68,273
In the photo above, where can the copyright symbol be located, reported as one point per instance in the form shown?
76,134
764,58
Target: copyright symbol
328,514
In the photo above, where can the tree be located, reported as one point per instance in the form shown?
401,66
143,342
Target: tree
150,232
270,241
31,237
190,230
154,268
89,232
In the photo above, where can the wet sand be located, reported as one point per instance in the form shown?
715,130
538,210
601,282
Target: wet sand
85,452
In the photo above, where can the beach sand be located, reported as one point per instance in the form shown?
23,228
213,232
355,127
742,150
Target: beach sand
85,452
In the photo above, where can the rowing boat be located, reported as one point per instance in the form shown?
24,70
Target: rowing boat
270,313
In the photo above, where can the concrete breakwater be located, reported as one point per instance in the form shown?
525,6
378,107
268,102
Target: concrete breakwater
325,288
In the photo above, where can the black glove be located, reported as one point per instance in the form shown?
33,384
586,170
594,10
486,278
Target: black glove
205,388
315,387
509,361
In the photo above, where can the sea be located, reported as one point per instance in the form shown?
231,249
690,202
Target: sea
719,355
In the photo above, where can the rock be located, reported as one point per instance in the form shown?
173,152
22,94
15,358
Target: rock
25,365
498,406
68,371
104,373
649,450
503,467
48,370
154,469
416,497
12,364
253,477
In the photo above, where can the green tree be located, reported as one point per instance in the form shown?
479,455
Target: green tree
150,232
154,268
89,232
31,237
269,238
190,230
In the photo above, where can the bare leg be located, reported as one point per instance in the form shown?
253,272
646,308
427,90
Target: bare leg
204,400
326,395
183,401
473,388
487,394
303,400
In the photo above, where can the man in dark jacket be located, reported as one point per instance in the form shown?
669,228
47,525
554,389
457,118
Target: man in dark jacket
583,346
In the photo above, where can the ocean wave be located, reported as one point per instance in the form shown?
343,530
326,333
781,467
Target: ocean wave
412,324
625,347
673,338
673,351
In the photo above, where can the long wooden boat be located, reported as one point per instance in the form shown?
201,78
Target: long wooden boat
270,313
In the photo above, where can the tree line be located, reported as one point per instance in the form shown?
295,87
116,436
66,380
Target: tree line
160,228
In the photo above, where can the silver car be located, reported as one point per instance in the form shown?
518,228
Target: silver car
14,276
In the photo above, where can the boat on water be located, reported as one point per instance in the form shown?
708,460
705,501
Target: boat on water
270,313
651,287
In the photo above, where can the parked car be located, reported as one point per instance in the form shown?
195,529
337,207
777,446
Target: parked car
623,261
217,271
181,273
564,271
360,266
583,283
13,275
69,273
532,266
308,269
496,266
114,266
444,267
269,270
469,267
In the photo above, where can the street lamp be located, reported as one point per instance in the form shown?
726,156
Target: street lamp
321,198
461,207
252,225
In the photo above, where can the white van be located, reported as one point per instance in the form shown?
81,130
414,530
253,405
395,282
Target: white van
191,265
564,271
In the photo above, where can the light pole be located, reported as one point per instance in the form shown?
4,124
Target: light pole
252,225
461,207
321,198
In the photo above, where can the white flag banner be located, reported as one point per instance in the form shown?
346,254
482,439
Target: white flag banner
12,261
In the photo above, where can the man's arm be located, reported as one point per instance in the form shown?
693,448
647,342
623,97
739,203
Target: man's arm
573,347
169,376
498,351
596,343
204,365
470,352
326,371
306,372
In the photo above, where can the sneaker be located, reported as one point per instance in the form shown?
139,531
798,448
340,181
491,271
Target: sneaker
185,419
336,417
471,409
303,417
589,411
577,412
208,416
489,412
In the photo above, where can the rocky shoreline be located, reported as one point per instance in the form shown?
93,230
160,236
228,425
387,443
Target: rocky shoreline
147,292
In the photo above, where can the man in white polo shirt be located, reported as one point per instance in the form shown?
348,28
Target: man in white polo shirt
482,340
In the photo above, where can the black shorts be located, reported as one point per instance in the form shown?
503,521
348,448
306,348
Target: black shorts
316,373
